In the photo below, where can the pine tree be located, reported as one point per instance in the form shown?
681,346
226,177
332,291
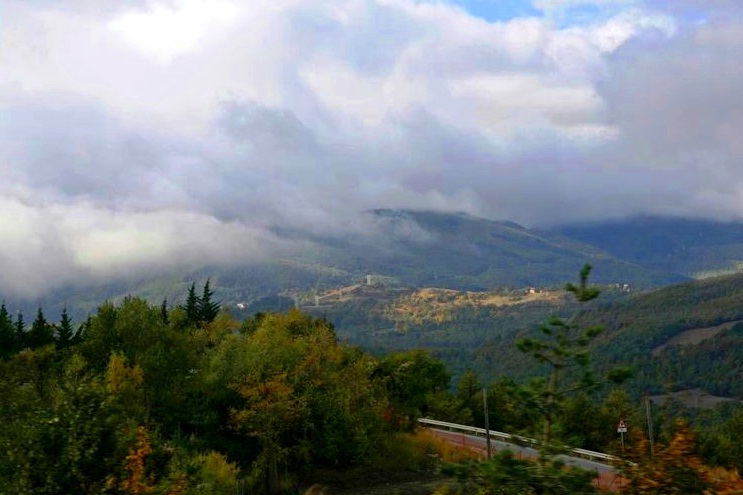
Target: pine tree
40,333
8,344
164,312
65,333
81,331
208,309
192,306
562,346
20,332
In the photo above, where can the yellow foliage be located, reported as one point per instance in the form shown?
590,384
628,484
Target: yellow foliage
136,481
676,469
419,450
120,377
216,467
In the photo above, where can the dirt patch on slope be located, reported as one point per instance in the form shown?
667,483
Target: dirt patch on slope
693,336
694,398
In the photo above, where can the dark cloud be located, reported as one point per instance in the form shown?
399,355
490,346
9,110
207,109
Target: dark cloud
678,108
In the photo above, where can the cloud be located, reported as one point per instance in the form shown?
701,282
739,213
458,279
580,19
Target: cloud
48,245
678,109
174,133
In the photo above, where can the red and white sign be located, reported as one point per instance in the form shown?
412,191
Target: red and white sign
622,427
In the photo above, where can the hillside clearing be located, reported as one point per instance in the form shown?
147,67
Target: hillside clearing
693,336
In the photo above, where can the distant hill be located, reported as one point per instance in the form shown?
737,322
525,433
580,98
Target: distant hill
459,251
689,248
686,336
402,248
677,338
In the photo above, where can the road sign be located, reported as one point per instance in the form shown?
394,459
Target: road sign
622,427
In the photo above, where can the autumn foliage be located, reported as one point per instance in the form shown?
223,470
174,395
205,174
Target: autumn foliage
674,468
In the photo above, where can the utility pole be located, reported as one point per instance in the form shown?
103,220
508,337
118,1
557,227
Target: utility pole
487,418
650,423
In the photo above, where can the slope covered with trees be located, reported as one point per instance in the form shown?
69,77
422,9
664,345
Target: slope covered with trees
149,399
144,398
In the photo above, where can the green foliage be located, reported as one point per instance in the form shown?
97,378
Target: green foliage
41,333
215,475
192,306
505,474
411,379
8,340
563,347
164,311
199,309
61,440
208,309
65,332
720,442
20,331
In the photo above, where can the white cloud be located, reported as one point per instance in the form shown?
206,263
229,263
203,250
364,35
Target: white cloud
168,30
125,126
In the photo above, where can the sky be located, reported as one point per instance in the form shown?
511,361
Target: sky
145,135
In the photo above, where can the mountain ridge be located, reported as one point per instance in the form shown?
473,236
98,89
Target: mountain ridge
418,248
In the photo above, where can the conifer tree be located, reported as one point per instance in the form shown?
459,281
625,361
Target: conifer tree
208,309
562,346
65,333
164,311
192,306
41,332
81,330
7,336
20,332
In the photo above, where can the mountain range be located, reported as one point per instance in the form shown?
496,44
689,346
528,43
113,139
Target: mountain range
403,248
467,288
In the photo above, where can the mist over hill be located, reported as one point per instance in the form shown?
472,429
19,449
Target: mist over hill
402,248
689,247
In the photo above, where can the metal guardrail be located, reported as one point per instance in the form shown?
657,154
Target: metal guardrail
599,457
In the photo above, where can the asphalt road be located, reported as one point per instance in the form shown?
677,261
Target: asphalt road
607,476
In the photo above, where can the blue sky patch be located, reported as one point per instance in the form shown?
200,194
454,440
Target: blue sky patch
498,10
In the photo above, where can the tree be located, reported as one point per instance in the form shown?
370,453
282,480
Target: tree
41,332
469,394
207,309
192,306
505,474
563,346
304,399
412,378
20,331
164,311
65,333
7,336
675,468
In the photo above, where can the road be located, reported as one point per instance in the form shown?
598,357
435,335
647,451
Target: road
607,477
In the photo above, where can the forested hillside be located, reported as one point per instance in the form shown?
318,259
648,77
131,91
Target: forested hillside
689,247
143,398
679,337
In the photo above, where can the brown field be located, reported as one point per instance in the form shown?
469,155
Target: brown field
695,398
693,336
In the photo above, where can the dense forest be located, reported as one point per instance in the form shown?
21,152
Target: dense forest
153,398
681,337
144,398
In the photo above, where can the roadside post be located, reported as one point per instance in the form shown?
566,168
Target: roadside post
622,429
487,419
